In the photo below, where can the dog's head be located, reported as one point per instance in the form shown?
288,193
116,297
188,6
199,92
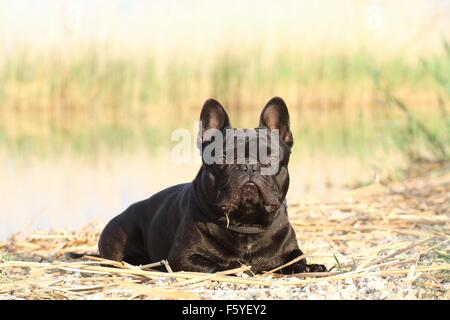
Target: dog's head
245,171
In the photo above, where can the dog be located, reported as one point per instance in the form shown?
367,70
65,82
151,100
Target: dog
230,215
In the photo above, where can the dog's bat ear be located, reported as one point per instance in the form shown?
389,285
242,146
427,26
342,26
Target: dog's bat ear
213,116
275,115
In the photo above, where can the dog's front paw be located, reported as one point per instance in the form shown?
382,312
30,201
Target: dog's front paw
304,268
315,268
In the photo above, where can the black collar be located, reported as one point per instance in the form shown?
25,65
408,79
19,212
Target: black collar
250,229
246,229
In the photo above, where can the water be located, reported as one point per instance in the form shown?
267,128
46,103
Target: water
70,191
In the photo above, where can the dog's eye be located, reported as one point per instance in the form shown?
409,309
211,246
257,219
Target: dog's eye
222,164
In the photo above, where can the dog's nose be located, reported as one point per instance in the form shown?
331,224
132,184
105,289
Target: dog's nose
249,187
249,192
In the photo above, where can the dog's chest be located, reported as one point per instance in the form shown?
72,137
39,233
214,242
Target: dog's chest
247,250
254,253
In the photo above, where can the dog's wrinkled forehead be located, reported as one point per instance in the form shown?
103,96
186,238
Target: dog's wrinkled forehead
257,136
239,146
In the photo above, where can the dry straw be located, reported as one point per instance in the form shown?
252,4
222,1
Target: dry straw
397,233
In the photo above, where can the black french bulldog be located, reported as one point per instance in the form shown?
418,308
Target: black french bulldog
228,216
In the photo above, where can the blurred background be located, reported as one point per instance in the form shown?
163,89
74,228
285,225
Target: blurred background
90,92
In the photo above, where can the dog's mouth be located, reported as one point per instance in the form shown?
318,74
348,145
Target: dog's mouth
248,208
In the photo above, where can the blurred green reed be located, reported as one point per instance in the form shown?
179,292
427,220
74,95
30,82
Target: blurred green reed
91,103
425,138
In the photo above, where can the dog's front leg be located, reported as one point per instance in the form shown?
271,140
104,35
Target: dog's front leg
192,262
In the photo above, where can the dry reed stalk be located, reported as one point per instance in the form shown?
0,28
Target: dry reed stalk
212,276
151,265
353,275
291,262
379,260
167,266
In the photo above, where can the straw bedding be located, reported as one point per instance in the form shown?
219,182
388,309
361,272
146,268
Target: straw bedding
384,241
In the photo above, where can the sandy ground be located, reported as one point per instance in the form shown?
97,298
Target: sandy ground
383,241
